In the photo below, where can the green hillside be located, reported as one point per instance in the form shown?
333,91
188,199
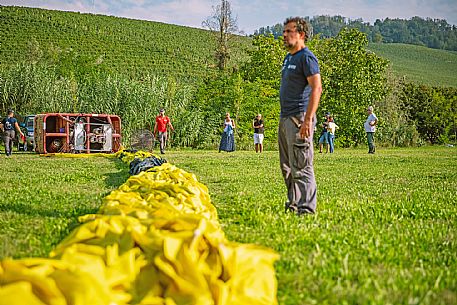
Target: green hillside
138,47
420,64
122,45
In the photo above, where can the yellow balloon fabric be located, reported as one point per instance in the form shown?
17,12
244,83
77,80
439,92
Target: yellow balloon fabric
156,240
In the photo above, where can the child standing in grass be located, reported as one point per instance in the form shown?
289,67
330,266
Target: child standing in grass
331,134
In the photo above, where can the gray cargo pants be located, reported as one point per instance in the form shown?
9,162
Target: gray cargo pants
163,140
8,137
296,160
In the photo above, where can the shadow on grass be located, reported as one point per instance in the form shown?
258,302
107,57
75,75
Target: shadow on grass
45,211
54,215
118,178
68,209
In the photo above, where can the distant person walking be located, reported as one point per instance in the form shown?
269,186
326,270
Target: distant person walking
370,128
299,96
8,125
228,136
332,127
257,124
160,129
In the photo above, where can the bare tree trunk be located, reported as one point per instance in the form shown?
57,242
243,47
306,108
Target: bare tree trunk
224,25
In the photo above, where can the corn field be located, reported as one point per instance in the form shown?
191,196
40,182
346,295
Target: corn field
32,89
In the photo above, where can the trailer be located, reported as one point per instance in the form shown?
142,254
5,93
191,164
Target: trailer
77,133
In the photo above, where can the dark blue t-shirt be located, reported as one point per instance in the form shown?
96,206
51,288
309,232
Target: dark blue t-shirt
295,91
8,123
258,123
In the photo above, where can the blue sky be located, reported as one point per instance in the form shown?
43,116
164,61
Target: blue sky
252,14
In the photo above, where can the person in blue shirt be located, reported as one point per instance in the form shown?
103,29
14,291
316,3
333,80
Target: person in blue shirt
8,125
300,93
323,139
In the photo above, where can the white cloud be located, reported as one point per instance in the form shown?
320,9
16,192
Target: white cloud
77,6
182,12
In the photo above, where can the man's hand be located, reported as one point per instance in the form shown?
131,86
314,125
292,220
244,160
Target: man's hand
306,128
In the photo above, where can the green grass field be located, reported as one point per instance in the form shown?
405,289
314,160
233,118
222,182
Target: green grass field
385,232
418,64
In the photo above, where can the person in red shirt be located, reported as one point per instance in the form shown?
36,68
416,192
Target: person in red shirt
160,127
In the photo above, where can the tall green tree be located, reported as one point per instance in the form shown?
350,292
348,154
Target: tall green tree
352,79
265,59
434,110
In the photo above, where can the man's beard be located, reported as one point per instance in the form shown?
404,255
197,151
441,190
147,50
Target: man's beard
288,45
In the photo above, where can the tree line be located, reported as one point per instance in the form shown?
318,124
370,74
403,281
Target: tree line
353,78
432,33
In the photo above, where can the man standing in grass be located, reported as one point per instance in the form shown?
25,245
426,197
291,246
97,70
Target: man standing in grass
257,124
300,94
8,125
370,128
160,127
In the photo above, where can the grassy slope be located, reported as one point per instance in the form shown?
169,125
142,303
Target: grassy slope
385,232
123,45
137,47
420,64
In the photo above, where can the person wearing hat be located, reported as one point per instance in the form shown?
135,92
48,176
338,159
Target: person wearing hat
160,129
8,125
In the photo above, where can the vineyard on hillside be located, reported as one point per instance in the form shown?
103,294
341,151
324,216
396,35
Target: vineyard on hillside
138,47
420,64
119,45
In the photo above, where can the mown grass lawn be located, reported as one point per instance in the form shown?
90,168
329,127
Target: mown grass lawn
385,232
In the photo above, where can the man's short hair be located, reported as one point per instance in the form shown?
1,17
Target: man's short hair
10,111
370,108
162,110
302,26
